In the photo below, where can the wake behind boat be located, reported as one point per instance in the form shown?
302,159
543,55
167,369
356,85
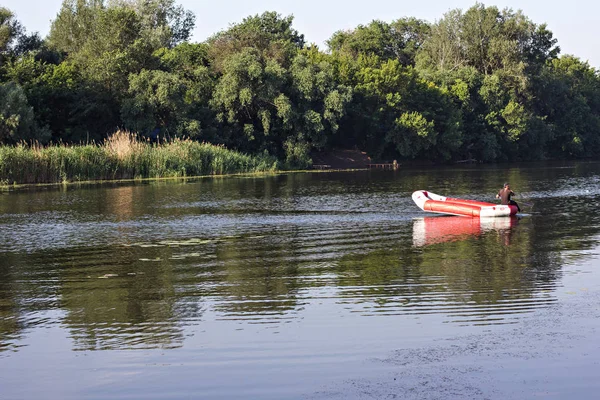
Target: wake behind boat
432,202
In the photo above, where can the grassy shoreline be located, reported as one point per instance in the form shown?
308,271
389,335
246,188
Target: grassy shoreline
122,157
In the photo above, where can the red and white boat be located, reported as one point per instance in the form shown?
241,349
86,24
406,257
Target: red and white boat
432,202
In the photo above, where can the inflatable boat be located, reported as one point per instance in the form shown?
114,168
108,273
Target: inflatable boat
432,202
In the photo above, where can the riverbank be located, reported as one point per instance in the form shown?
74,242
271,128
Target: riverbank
123,157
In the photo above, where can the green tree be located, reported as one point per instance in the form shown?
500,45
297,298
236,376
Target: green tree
488,59
399,40
411,33
16,116
10,30
115,50
486,39
111,42
74,25
163,22
175,98
71,108
568,95
157,102
318,104
319,99
245,99
269,33
191,63
264,106
104,46
14,41
396,114
107,43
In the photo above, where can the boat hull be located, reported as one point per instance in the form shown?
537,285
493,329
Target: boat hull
432,202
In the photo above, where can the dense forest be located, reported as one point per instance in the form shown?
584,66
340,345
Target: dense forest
483,84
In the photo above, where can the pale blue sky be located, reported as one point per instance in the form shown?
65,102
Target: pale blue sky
575,23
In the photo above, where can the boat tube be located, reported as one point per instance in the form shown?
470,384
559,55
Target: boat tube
432,202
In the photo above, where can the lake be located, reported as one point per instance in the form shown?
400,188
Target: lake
330,285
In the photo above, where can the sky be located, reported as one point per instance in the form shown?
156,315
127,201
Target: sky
575,23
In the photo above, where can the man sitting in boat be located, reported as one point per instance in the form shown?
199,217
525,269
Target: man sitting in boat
504,195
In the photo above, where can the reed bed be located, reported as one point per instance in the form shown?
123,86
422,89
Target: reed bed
123,156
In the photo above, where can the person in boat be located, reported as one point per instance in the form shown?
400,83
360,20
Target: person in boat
505,196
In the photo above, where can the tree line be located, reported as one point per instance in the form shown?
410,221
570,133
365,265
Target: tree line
482,84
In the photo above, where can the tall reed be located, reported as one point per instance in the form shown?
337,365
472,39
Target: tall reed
123,156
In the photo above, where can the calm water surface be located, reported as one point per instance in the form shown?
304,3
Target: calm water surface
323,285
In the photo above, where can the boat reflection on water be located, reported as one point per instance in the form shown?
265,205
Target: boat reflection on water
440,229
